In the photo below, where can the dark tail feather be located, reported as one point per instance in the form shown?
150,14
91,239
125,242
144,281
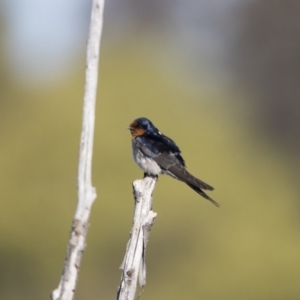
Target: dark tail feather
200,192
179,172
202,184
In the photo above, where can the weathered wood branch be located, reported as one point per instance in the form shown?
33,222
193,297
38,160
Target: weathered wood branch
86,192
134,265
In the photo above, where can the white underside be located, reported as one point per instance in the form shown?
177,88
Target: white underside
147,164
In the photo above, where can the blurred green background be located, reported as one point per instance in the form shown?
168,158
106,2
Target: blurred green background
221,80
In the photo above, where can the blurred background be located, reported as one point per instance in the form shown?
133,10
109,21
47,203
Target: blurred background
219,77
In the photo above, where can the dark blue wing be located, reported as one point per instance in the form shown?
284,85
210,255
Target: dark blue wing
154,144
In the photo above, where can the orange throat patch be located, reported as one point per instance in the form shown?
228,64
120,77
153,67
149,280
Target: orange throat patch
136,130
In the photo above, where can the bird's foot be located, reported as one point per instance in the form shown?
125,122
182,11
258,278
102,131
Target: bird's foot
151,175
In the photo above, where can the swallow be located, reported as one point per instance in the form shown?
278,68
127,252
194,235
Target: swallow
157,154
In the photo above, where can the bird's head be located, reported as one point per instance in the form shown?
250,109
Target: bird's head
140,126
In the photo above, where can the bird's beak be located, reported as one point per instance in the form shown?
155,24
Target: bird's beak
129,127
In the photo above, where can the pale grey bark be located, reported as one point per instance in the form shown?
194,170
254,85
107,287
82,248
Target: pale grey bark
134,266
86,192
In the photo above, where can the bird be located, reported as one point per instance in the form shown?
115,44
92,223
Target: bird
157,154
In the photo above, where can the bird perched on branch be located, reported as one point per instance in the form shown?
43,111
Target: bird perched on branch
157,154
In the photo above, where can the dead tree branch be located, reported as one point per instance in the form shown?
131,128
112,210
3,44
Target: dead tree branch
86,192
134,265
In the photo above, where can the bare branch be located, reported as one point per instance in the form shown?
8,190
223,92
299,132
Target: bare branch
86,192
134,265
